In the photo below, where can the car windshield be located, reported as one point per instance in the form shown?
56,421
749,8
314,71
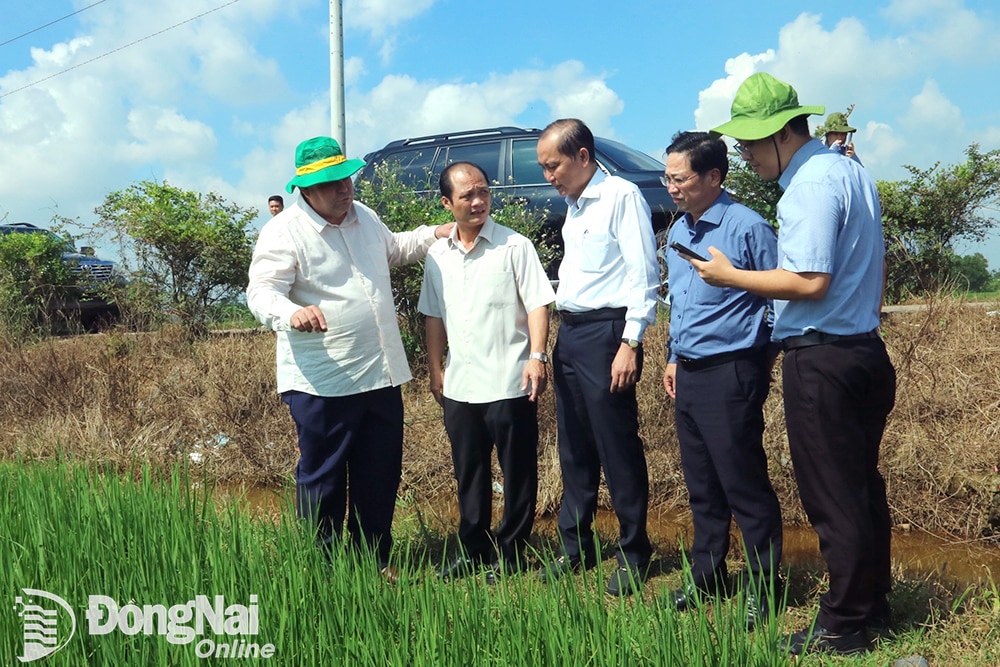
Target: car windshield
625,158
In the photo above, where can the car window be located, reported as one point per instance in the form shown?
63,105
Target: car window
626,158
525,169
486,155
414,167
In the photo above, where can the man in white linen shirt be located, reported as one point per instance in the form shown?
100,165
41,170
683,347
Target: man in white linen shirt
486,298
320,278
606,299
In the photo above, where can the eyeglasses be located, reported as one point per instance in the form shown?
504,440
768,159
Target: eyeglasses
742,147
667,181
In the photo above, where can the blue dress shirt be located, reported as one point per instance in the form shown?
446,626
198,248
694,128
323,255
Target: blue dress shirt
707,320
830,221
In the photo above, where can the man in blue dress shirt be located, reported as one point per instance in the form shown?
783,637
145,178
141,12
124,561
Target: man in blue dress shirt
718,373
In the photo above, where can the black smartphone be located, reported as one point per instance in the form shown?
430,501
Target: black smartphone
684,250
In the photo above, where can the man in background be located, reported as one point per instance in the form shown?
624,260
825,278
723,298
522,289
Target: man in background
275,204
486,298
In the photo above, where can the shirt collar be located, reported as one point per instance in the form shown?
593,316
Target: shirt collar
589,192
487,232
319,223
713,214
806,151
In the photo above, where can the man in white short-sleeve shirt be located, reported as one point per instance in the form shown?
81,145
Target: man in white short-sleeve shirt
486,298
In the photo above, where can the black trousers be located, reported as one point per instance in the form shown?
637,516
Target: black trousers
720,427
349,441
598,429
837,399
473,429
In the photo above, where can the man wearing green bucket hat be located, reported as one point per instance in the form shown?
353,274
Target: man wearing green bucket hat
320,278
839,385
836,135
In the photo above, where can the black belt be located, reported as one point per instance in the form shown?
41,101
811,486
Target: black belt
597,315
820,338
721,358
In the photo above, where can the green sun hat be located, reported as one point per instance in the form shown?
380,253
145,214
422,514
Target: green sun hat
320,160
763,105
837,122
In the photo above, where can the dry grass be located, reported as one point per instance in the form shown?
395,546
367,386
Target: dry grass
158,398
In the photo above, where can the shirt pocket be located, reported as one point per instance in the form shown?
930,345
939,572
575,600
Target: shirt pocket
498,290
594,252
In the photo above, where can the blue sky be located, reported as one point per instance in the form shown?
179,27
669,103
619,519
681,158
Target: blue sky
219,103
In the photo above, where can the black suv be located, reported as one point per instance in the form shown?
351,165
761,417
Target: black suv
94,276
508,156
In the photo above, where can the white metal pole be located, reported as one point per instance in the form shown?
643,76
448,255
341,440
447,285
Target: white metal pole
338,126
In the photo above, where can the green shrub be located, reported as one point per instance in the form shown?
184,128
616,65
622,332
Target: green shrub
33,279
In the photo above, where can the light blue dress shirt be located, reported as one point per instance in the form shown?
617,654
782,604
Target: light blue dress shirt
830,222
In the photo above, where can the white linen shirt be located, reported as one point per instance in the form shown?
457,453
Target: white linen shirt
300,260
484,295
610,253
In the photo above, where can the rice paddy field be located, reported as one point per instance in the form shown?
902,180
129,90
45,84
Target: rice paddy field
151,570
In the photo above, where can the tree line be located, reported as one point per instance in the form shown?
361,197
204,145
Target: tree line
186,254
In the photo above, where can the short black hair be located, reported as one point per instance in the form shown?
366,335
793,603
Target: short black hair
703,150
573,135
444,181
800,126
277,198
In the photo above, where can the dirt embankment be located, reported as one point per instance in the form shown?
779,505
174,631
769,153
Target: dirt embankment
157,398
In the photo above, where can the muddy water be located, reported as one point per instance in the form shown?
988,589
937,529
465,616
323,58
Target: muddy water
917,553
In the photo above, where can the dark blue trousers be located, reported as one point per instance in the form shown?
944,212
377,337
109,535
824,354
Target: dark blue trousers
349,442
598,429
837,399
473,429
720,427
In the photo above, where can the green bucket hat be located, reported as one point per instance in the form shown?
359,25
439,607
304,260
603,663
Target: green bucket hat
320,160
837,122
763,105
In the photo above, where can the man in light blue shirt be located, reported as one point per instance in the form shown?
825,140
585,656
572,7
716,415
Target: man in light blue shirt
839,384
718,373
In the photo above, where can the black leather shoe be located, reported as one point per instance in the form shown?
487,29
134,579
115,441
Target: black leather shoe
820,640
563,565
691,596
463,566
498,570
627,579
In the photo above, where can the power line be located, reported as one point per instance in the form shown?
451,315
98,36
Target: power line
120,48
14,39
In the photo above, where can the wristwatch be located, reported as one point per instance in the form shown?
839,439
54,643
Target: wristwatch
632,342
540,356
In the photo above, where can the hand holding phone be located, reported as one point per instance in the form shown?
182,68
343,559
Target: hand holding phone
686,251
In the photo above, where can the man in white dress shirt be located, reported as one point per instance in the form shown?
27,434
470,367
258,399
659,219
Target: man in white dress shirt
486,298
606,299
320,278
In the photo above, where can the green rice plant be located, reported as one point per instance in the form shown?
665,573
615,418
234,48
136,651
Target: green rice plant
159,543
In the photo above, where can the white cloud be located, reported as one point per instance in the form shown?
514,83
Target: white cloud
379,16
401,106
846,65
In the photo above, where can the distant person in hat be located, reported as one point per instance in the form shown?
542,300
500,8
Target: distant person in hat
837,135
275,204
320,278
839,384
